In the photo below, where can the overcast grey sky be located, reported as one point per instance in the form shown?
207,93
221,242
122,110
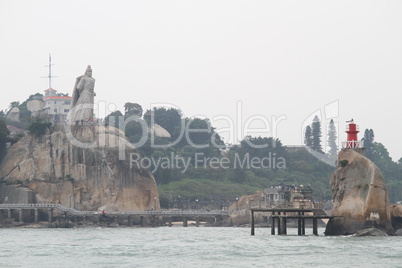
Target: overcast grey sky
274,58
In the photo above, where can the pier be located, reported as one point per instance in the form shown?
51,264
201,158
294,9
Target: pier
280,216
163,215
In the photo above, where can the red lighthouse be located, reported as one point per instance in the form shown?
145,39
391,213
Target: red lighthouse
352,142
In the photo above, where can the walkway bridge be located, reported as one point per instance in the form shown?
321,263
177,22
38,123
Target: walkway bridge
73,212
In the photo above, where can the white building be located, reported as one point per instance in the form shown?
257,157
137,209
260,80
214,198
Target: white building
57,105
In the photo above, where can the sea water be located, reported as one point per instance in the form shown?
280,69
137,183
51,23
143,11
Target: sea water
191,247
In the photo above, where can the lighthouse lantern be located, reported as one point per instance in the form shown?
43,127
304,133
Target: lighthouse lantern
352,141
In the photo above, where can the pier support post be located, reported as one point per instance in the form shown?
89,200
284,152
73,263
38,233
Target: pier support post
197,222
279,224
170,221
185,222
315,231
142,221
282,219
20,215
252,223
285,232
50,213
36,215
303,225
130,221
9,213
299,223
273,225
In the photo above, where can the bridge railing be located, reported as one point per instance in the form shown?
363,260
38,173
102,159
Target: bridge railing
83,213
167,212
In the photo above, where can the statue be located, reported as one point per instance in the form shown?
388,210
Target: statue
82,107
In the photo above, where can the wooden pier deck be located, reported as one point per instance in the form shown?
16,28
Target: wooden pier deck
279,215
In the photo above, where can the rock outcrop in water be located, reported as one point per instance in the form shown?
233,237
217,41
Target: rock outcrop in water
93,175
371,232
396,218
359,195
240,210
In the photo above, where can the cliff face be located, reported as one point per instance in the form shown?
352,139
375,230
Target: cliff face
85,167
359,194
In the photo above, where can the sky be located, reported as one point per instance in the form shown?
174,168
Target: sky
242,64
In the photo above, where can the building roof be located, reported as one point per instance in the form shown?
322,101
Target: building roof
58,98
14,129
50,89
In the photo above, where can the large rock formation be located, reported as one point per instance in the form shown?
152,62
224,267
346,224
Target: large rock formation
35,106
240,213
86,167
359,195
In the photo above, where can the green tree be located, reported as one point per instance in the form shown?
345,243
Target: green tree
368,142
391,170
168,118
261,147
131,109
14,104
113,119
316,133
135,130
25,114
4,132
199,132
332,138
38,127
308,137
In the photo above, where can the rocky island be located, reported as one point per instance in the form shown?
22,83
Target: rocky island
359,196
82,165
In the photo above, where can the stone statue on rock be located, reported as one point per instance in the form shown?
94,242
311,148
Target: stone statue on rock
82,107
81,166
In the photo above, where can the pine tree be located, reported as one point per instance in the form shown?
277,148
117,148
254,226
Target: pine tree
308,137
368,141
316,133
332,138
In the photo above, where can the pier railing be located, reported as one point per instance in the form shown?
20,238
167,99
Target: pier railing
116,213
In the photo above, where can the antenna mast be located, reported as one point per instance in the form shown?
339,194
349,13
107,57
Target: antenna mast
50,71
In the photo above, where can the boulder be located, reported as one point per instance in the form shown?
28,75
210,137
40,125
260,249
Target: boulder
398,232
86,167
240,213
35,106
359,194
396,210
396,216
14,114
159,131
371,232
